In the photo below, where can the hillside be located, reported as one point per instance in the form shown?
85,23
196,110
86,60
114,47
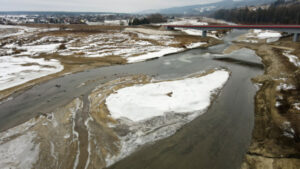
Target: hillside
205,9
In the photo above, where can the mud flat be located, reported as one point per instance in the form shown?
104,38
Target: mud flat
275,140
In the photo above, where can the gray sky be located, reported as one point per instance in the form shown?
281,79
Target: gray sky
94,5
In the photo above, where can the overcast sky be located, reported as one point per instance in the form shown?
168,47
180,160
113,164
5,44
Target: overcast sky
94,5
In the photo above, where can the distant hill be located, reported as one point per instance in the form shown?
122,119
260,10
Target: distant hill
206,9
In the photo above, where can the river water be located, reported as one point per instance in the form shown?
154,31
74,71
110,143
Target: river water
217,139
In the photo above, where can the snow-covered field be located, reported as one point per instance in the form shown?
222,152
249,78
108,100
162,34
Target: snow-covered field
22,46
156,110
18,70
122,44
18,64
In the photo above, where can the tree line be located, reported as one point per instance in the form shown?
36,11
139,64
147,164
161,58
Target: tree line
277,13
154,18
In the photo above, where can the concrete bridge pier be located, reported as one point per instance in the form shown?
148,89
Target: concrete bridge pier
296,37
204,32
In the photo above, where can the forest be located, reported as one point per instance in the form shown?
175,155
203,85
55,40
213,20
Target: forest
279,12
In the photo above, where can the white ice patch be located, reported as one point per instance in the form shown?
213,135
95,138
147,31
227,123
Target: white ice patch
156,54
142,102
21,152
292,58
14,71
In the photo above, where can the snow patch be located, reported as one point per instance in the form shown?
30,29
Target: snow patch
142,102
283,86
297,106
292,58
270,36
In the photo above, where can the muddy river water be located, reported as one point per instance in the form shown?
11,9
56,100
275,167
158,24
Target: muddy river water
217,139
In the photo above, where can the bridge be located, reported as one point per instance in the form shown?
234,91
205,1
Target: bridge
294,29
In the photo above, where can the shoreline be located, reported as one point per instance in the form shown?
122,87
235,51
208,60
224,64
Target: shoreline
270,146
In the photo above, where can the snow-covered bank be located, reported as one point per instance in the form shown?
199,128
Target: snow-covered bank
146,101
19,70
156,110
256,35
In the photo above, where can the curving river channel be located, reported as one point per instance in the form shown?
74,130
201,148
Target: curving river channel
217,139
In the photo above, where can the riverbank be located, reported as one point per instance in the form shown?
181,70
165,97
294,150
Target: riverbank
275,138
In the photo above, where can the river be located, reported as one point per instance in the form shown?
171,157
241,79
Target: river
217,139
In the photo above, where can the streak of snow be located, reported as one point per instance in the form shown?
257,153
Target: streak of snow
195,45
35,50
74,110
86,123
150,55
